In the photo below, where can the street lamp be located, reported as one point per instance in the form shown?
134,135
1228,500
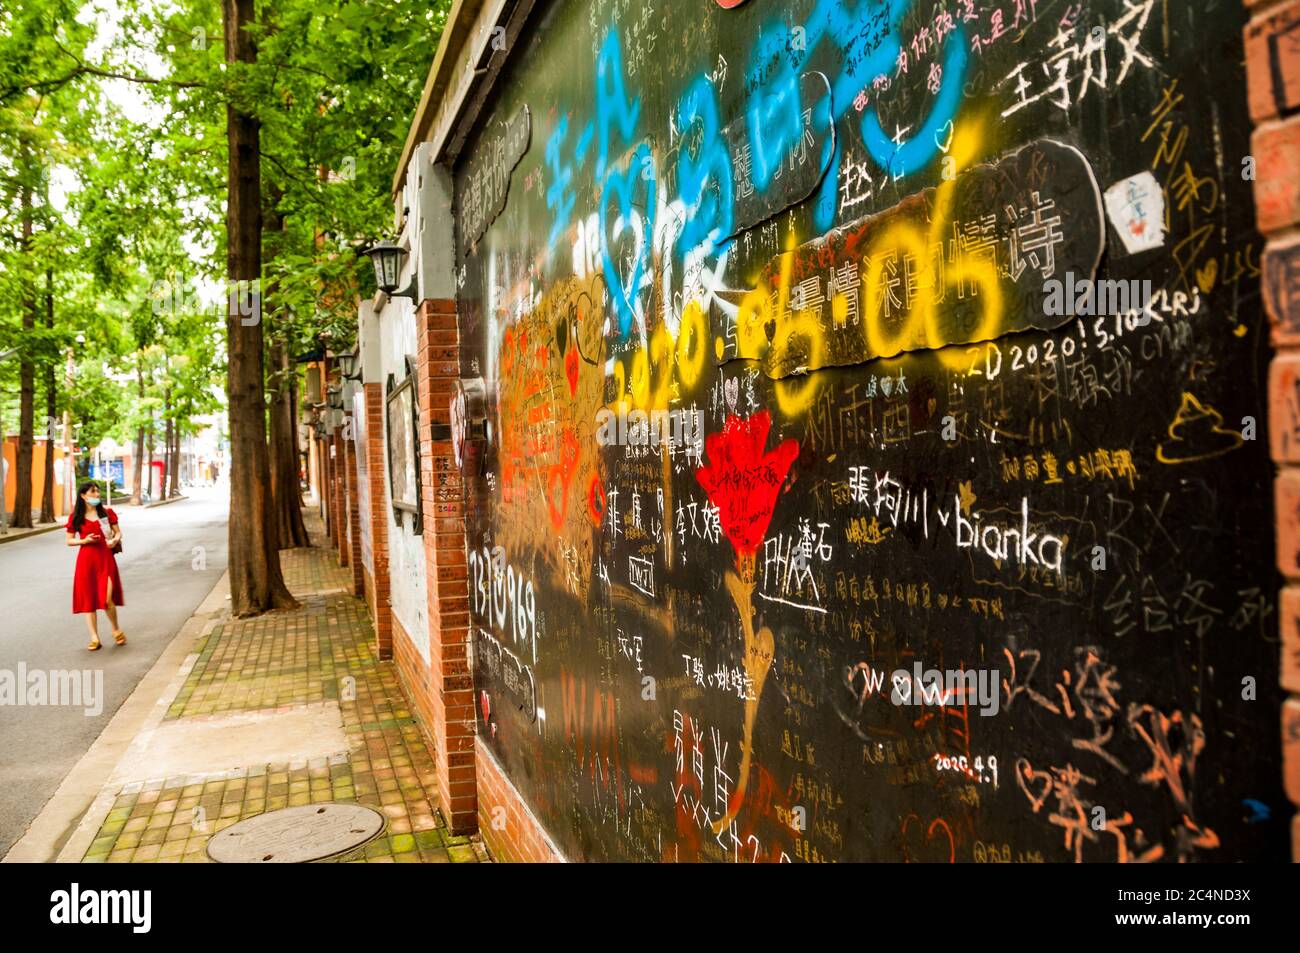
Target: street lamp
387,257
349,365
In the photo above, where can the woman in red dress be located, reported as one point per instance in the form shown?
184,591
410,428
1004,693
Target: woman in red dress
93,528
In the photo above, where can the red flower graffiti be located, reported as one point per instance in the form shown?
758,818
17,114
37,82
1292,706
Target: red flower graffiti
742,481
571,369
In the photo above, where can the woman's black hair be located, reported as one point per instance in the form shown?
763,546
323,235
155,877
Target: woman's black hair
79,512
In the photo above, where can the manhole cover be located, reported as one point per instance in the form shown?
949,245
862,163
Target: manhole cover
296,835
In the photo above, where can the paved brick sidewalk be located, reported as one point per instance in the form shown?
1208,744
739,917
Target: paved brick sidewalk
279,662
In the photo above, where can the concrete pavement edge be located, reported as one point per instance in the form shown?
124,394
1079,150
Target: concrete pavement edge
14,536
167,502
64,828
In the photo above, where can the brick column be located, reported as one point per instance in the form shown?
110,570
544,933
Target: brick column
1273,82
336,499
331,517
346,491
445,557
376,465
354,512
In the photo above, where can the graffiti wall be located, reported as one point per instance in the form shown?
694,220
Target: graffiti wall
874,466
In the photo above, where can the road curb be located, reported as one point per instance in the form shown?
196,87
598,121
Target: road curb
27,534
174,499
64,828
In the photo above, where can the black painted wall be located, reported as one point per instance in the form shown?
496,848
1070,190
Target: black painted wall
822,236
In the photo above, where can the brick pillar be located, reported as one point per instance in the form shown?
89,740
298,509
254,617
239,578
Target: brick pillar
346,492
323,479
1273,83
354,512
445,557
331,520
376,464
330,524
336,498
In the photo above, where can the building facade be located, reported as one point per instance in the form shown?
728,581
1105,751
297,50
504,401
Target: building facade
840,431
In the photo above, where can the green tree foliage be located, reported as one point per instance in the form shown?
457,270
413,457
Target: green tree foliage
113,170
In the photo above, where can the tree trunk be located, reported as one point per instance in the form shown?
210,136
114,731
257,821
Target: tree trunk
295,411
149,470
256,584
137,459
27,370
177,458
47,486
286,496
286,501
175,473
168,487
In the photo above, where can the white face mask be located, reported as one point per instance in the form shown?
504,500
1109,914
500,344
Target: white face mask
92,501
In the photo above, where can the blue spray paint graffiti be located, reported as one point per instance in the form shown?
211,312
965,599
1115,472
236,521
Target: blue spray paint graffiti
775,113
622,184
612,104
708,217
559,197
868,47
613,108
915,153
863,38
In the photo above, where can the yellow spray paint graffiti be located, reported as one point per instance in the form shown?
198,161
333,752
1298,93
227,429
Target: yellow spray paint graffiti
666,368
964,261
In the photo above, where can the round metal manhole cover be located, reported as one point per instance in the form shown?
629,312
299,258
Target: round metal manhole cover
297,835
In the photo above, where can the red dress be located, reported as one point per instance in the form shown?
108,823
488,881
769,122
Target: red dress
96,565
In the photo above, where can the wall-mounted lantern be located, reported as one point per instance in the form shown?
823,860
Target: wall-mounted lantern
387,257
350,364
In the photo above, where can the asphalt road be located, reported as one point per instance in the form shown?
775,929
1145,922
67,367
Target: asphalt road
40,744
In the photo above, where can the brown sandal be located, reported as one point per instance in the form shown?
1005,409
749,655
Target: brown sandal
119,637
95,646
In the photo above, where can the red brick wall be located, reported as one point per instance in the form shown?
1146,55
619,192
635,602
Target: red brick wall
1273,78
354,509
444,549
368,587
346,502
509,829
336,494
414,675
380,589
327,485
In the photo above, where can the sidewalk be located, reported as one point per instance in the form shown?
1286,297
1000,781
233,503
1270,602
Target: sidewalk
285,709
